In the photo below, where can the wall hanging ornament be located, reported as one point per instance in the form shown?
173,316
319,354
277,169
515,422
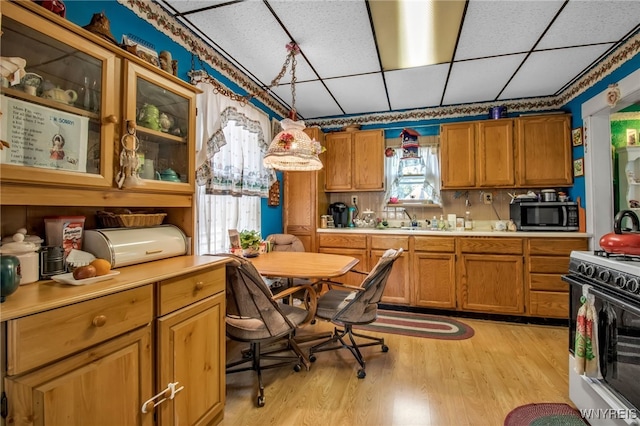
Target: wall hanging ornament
613,95
129,163
274,194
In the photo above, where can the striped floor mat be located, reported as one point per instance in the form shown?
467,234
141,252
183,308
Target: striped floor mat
419,325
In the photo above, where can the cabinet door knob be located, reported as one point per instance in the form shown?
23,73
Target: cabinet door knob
112,119
99,321
199,285
148,406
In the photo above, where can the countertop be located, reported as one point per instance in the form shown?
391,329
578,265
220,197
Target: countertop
472,233
47,294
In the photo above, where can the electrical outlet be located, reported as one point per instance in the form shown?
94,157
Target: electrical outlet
488,198
354,200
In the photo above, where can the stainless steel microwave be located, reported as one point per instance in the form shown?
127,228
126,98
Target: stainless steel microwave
545,216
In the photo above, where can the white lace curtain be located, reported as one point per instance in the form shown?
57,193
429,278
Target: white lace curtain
400,174
230,177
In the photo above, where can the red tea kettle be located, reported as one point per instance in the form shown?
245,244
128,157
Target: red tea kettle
621,242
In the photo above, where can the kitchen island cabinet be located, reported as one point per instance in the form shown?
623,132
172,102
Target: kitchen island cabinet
355,161
99,341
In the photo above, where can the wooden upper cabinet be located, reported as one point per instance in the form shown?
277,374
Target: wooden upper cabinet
368,160
495,153
355,161
477,154
458,165
543,150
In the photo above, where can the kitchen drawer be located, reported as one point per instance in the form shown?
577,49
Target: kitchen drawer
547,282
343,241
491,245
556,246
435,244
548,304
182,291
47,336
549,265
384,243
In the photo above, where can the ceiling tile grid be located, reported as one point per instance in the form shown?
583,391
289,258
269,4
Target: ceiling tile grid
507,50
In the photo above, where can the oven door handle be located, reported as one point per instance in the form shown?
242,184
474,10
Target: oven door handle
617,302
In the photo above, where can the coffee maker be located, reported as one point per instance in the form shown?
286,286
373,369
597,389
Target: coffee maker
340,214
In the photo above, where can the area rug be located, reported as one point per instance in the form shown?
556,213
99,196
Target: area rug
419,325
546,414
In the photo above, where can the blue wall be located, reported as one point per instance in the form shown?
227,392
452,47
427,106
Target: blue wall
124,21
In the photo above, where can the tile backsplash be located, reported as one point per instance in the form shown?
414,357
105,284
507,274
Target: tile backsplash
453,202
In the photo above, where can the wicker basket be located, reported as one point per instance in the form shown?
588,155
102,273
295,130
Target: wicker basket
129,220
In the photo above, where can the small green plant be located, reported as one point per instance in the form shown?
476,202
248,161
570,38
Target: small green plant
250,239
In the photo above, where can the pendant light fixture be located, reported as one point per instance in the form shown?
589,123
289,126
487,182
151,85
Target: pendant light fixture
292,149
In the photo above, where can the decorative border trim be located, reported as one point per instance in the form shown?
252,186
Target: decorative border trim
158,17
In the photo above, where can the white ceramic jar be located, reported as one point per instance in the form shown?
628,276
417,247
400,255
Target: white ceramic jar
27,253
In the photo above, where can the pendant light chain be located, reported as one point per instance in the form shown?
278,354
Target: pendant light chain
218,88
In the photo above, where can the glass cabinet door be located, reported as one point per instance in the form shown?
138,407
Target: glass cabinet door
58,104
164,113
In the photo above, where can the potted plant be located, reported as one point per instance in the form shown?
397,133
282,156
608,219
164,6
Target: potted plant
250,242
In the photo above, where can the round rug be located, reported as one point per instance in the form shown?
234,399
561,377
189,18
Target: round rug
546,414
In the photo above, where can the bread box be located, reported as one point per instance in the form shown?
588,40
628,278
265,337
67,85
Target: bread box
130,246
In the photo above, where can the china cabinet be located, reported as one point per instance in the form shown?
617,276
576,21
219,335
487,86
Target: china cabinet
355,161
65,153
305,200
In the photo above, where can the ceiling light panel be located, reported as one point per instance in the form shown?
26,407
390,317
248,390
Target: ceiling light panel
588,22
312,99
494,28
416,87
338,44
364,93
481,79
413,33
546,72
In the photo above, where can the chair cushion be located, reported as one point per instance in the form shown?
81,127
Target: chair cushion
285,242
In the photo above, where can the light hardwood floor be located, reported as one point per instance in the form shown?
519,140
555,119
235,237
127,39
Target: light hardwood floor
418,382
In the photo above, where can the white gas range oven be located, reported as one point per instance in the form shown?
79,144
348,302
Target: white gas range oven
614,283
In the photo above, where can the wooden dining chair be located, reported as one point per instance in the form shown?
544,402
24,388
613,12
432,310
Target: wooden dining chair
254,315
347,306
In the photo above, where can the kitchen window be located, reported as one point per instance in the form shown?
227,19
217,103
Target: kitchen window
414,180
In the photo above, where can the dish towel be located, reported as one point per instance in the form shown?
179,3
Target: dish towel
586,344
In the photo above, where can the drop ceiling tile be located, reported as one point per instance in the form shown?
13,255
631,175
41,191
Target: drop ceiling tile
481,79
588,22
502,27
416,87
360,94
546,72
312,100
185,6
334,35
249,33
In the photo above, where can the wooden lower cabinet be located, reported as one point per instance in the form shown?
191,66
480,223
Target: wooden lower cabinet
433,271
398,287
547,260
348,245
107,384
189,353
490,275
